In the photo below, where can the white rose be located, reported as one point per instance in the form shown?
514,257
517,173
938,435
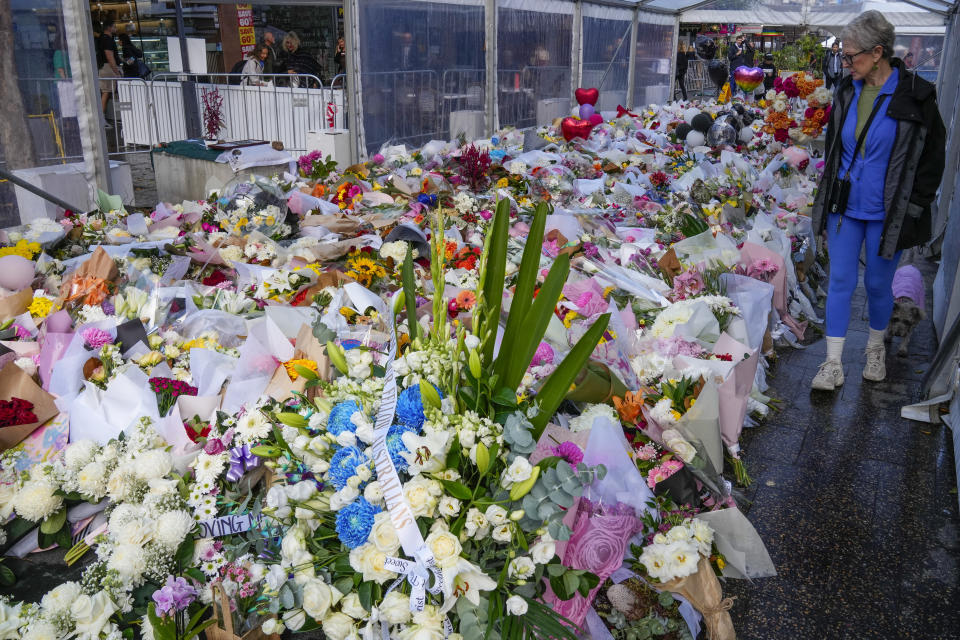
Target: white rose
92,613
338,626
316,598
446,548
345,496
395,608
502,533
383,534
276,577
497,515
369,561
516,606
373,493
521,567
518,471
301,491
351,606
421,495
543,551
682,448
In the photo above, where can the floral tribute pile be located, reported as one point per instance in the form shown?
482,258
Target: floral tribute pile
479,391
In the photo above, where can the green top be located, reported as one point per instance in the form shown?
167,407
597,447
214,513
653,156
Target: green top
868,95
60,62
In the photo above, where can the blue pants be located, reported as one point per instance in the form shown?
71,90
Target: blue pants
844,246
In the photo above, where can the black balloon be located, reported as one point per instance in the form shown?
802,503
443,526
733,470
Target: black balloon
701,122
705,47
718,72
682,130
747,119
739,108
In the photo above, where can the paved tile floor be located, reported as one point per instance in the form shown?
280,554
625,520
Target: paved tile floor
857,506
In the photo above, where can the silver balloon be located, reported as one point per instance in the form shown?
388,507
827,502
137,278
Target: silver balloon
730,118
720,134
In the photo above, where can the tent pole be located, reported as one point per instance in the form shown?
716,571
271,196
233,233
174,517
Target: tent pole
490,54
576,60
632,60
354,102
83,69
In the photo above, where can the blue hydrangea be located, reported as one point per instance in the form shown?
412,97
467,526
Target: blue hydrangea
343,465
339,419
395,445
410,408
355,521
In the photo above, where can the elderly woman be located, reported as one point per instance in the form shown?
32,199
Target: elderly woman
884,160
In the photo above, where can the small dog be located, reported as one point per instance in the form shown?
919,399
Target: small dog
908,306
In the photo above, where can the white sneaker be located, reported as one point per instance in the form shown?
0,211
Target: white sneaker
829,377
876,368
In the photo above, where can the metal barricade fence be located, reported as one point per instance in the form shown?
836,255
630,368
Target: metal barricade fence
401,106
130,122
697,80
463,90
533,96
286,107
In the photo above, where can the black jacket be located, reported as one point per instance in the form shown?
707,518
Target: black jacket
825,68
916,162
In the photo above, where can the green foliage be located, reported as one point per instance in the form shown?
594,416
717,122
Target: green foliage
559,486
410,293
796,56
494,273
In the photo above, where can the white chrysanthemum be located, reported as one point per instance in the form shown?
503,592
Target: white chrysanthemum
57,601
208,468
171,528
40,629
92,480
36,500
134,532
585,420
128,560
252,427
79,453
154,464
121,483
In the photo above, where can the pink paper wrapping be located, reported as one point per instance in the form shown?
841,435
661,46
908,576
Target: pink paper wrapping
54,346
751,252
44,443
735,389
598,544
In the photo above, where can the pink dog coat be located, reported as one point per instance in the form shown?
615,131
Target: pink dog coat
908,283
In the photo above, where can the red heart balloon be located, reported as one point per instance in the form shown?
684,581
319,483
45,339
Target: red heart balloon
574,128
596,118
587,96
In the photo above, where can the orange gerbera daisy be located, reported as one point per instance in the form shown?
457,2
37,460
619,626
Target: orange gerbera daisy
466,300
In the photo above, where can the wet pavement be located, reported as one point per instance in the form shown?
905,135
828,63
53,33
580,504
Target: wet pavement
857,506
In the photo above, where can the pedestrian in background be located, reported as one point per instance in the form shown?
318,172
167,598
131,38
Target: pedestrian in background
253,69
832,66
876,189
683,60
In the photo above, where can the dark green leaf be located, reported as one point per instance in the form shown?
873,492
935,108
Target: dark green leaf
559,587
365,593
526,281
54,523
506,397
185,552
494,274
453,455
571,581
555,389
7,579
410,292
457,489
556,570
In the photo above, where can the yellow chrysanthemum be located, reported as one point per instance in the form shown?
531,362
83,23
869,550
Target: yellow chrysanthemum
290,365
502,182
40,306
23,249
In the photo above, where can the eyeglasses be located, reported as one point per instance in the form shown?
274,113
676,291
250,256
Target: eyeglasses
848,58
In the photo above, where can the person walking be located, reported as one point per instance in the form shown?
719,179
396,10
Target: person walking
133,65
296,62
108,60
683,60
769,71
253,69
832,66
884,161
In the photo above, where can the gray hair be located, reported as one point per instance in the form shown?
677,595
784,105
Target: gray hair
870,29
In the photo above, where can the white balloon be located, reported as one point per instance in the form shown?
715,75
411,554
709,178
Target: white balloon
16,272
695,139
746,135
689,114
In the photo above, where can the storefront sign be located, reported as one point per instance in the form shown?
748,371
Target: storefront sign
248,38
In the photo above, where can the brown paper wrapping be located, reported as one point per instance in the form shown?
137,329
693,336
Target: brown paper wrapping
14,383
90,278
15,304
222,629
336,224
324,280
669,263
703,591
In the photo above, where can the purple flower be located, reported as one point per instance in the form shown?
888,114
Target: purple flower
570,452
22,332
377,158
175,595
96,338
